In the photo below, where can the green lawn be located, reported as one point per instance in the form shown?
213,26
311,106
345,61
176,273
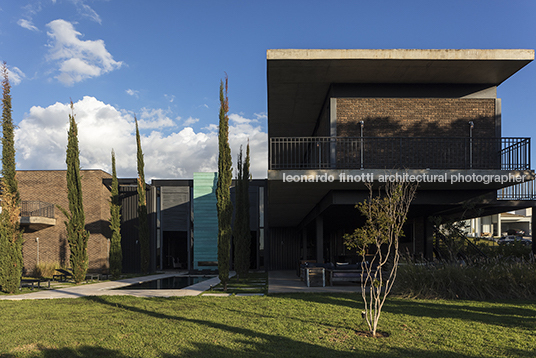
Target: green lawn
302,325
254,282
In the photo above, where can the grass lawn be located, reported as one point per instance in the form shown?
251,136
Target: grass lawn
301,325
254,282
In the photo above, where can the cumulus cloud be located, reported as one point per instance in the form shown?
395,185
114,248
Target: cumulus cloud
41,140
155,118
132,92
15,75
77,59
190,121
27,24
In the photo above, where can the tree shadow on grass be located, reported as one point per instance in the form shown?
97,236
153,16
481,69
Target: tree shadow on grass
79,352
253,350
259,344
511,316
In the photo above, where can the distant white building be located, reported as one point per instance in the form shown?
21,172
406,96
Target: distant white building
499,224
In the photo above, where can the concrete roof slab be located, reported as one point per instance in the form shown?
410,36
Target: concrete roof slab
299,80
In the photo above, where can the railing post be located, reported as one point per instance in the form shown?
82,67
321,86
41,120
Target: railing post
362,125
333,149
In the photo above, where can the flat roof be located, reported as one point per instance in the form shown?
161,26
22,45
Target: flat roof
299,80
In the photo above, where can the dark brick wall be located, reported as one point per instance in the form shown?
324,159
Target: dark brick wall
415,117
51,186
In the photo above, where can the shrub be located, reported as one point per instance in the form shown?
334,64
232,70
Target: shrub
515,249
46,269
488,279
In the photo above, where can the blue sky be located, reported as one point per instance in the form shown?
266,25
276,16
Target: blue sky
162,61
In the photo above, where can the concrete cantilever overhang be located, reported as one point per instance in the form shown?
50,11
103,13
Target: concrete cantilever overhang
299,80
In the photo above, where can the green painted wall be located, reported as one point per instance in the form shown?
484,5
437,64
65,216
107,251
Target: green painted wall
205,219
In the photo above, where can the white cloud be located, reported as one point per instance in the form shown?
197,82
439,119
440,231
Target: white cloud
190,121
236,118
155,118
169,97
15,75
77,59
85,10
132,92
27,24
41,140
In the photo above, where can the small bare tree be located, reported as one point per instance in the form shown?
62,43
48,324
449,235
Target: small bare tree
385,215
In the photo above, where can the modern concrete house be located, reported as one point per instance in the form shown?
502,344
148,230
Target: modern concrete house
337,118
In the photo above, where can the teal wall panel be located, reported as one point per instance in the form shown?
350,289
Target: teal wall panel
205,219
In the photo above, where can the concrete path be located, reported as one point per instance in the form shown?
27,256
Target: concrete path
278,282
289,282
111,289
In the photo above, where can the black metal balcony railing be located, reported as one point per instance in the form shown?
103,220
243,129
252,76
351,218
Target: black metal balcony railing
399,152
37,208
521,191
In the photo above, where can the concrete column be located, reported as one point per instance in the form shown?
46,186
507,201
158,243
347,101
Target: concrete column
533,229
319,239
428,239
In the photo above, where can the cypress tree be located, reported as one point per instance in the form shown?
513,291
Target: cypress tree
143,228
116,255
77,235
241,232
10,233
8,140
223,195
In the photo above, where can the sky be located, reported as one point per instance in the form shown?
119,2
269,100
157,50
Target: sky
162,61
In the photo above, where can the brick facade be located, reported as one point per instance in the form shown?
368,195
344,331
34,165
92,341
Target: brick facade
416,117
51,186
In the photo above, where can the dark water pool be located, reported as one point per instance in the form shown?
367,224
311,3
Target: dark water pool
166,283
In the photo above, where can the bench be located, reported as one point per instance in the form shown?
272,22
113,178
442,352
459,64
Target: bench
28,282
92,276
63,275
343,275
347,273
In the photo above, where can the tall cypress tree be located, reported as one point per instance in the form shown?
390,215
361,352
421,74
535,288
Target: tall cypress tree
223,195
116,255
77,235
10,233
241,231
143,228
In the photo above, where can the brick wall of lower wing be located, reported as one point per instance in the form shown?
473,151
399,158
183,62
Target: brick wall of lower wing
51,187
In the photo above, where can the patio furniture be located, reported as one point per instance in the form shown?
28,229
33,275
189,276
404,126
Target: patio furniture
92,276
63,275
315,276
30,282
346,273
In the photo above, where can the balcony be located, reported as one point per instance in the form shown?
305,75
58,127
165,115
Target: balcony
306,153
37,215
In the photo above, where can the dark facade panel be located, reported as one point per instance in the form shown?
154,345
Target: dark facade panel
129,228
175,206
284,248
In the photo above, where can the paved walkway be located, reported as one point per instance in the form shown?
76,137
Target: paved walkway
278,282
110,288
289,282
